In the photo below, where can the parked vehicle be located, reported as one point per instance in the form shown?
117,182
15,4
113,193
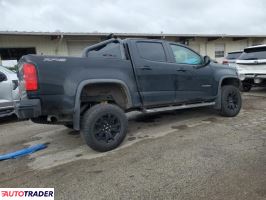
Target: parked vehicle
251,66
231,57
8,91
92,93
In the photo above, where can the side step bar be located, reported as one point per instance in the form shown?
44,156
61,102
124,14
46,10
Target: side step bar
184,106
6,108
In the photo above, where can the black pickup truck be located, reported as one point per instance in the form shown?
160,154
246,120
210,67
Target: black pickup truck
93,92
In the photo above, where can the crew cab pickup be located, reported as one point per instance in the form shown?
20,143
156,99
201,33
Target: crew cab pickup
93,92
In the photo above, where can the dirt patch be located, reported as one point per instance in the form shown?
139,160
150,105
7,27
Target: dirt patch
261,192
131,138
252,102
73,133
180,127
9,119
210,119
147,118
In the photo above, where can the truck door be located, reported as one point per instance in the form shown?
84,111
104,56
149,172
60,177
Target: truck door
154,74
194,81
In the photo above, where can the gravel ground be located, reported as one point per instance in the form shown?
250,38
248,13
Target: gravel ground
188,154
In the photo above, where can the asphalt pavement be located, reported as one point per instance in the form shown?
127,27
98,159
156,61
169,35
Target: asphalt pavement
184,154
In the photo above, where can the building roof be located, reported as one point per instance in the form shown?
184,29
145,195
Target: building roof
30,33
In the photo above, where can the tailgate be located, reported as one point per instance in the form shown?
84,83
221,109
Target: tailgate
251,66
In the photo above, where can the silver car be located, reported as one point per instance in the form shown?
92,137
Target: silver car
231,57
9,92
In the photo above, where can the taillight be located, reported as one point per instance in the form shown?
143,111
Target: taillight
225,62
30,77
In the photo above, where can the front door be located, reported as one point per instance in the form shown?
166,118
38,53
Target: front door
194,80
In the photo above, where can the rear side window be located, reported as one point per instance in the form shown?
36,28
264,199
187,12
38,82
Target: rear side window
111,50
233,56
253,54
153,51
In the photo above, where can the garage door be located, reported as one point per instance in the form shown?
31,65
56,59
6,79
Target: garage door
75,48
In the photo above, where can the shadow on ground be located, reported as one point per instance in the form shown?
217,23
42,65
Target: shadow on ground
9,119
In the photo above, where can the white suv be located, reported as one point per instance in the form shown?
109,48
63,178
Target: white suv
9,92
251,66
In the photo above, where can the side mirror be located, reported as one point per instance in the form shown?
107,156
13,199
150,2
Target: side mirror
206,60
2,77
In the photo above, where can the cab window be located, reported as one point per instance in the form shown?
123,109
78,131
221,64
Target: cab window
184,55
152,51
110,50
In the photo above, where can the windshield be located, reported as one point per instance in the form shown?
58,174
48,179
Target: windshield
253,54
233,56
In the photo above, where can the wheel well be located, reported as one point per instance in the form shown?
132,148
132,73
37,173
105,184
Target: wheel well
104,92
231,81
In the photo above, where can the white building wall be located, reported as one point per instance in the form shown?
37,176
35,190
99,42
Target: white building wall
43,44
73,45
207,47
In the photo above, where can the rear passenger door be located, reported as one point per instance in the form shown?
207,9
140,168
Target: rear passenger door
155,76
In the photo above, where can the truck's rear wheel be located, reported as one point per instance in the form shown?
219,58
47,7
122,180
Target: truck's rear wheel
231,101
104,127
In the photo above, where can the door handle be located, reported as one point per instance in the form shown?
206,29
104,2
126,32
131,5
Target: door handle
181,70
146,68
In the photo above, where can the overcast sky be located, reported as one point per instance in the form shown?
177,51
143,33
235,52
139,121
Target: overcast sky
135,16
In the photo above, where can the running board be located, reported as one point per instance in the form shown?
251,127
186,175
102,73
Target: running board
6,108
184,106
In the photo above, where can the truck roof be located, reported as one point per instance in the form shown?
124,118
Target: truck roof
232,52
257,46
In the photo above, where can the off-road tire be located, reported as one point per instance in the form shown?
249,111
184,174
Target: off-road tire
231,101
104,127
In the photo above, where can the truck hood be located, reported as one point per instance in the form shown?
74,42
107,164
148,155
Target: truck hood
224,70
221,66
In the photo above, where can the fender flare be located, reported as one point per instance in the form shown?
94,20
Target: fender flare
219,93
82,84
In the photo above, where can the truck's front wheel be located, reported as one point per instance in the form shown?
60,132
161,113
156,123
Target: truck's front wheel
231,101
104,127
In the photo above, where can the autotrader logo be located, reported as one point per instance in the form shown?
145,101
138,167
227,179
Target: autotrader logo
27,193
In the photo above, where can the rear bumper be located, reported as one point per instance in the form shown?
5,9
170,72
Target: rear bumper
29,108
251,76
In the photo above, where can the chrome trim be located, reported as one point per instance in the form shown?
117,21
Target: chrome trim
6,107
206,86
184,106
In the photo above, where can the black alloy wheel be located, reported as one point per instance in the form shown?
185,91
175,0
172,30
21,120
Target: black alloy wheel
231,101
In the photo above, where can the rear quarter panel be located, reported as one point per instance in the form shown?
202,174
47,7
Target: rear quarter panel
59,78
